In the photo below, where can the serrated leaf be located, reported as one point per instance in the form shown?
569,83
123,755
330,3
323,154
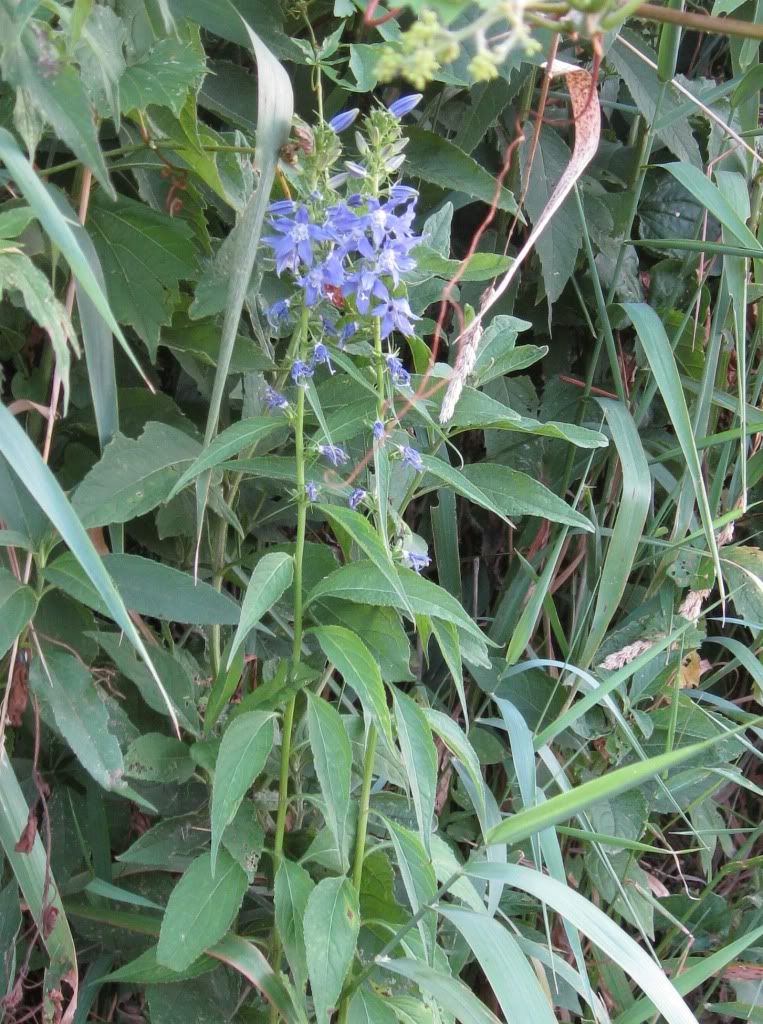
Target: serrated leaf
57,92
332,758
272,576
558,245
230,442
17,606
331,923
144,255
435,159
65,687
163,76
354,661
133,477
200,910
19,274
291,891
419,759
244,750
418,878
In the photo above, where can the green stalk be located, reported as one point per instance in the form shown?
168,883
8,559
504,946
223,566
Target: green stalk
370,753
296,651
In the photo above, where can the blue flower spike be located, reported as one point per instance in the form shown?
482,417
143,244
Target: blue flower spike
321,355
336,456
301,373
416,561
274,399
405,105
411,457
342,121
356,497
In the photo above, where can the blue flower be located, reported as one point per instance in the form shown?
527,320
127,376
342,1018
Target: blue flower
416,561
295,243
393,259
400,194
411,457
356,497
278,313
282,206
340,122
321,355
396,315
365,285
336,456
329,272
301,373
311,491
356,170
378,430
274,399
405,104
398,372
347,332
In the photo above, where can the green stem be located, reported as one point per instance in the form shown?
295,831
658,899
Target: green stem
365,798
296,651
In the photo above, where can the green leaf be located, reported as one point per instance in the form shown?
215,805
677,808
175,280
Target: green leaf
604,933
558,245
449,992
366,1007
230,442
481,266
419,760
712,199
517,494
133,477
178,683
19,274
418,878
696,974
163,76
144,255
244,750
456,740
332,758
271,578
291,891
369,542
246,958
17,606
153,757
57,93
147,587
564,805
55,224
200,910
223,687
511,977
65,687
631,516
331,924
644,88
487,100
362,583
32,871
654,340
359,669
275,107
431,157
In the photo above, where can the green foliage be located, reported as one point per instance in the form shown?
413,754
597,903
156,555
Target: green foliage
321,699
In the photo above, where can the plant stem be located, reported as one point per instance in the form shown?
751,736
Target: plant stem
296,651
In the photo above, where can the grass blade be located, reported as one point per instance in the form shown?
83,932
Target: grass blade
654,340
